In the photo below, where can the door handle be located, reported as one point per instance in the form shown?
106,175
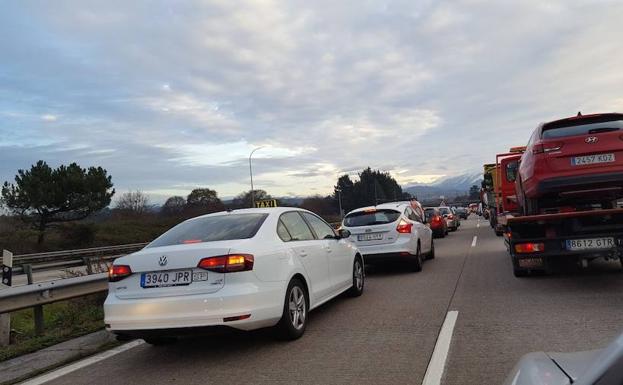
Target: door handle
302,253
328,249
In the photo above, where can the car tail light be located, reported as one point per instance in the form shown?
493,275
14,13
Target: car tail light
436,219
450,216
547,147
118,272
404,227
527,248
227,263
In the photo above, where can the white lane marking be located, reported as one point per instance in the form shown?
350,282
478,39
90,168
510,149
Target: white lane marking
437,363
478,224
474,241
81,364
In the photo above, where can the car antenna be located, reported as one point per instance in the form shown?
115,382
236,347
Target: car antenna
579,113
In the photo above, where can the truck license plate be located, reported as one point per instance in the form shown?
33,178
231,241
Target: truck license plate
589,244
592,159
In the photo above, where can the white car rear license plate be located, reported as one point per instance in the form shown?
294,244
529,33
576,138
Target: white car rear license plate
589,244
592,159
167,278
370,237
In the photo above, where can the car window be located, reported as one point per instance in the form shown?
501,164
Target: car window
511,171
444,211
412,215
296,226
320,227
371,217
430,213
584,126
282,232
213,228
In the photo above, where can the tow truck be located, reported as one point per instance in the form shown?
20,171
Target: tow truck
578,230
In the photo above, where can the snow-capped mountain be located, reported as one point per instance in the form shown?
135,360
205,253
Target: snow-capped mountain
451,186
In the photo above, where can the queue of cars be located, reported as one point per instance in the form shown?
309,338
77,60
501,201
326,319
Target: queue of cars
254,268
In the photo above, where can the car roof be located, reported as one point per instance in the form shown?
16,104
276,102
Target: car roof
267,210
392,205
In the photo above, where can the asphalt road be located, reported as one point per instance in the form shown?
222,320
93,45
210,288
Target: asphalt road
387,336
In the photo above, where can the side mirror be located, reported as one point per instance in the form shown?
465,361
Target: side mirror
343,233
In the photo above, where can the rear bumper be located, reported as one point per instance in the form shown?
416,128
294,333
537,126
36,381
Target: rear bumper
402,244
388,257
264,302
577,182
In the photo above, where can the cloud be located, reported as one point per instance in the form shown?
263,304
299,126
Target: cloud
167,97
49,118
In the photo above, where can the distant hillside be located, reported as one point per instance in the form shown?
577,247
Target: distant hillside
449,187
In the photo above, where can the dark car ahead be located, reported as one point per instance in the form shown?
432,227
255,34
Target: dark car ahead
462,212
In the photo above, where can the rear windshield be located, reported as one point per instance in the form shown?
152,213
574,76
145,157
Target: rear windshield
444,210
584,126
429,213
209,229
368,218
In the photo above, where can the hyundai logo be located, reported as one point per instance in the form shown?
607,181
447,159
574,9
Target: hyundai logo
163,260
591,139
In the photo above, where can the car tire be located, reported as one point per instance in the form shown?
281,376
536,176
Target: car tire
160,341
431,254
293,320
520,273
416,263
359,276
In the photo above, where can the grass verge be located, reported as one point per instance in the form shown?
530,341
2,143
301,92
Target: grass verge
63,321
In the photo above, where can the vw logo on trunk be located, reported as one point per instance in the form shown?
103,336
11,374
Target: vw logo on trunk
163,260
591,139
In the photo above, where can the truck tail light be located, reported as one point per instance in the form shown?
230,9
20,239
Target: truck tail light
118,272
547,147
227,263
404,227
527,248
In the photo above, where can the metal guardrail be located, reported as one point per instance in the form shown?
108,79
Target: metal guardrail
71,258
23,297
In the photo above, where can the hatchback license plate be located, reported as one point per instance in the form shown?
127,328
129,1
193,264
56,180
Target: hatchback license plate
370,237
590,244
166,278
592,159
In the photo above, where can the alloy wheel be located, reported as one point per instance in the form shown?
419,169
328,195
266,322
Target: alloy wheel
297,307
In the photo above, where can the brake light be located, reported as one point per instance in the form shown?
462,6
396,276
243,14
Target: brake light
436,219
527,248
547,147
227,263
118,272
450,216
404,227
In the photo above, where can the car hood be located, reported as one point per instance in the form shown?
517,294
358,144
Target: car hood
574,364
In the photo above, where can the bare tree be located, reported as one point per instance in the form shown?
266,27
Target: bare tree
135,202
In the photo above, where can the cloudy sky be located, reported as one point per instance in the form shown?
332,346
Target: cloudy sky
172,97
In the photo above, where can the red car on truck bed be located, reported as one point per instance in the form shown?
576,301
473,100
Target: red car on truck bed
580,157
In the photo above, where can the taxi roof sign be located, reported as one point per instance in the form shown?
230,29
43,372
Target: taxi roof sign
266,203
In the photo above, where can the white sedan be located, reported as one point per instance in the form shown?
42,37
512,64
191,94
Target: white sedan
391,232
246,269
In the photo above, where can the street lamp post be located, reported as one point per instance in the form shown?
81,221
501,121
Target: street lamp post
339,202
251,175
